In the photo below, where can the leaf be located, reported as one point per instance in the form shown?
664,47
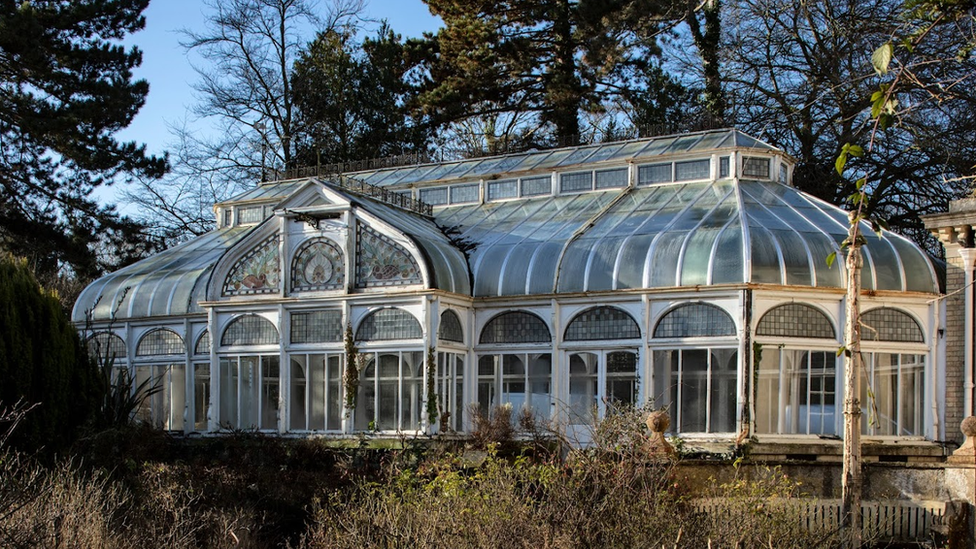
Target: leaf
840,162
831,258
854,150
859,184
881,58
841,350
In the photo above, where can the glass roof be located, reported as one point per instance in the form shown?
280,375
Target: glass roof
675,235
657,236
575,156
170,283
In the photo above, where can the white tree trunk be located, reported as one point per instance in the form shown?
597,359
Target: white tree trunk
851,482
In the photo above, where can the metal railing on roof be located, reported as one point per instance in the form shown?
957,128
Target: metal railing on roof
392,198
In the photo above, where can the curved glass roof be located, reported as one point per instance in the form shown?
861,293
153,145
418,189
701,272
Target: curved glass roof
674,235
170,283
666,235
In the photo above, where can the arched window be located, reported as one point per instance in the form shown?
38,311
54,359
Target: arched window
893,397
887,324
796,320
107,345
516,327
695,320
450,327
697,385
602,323
796,390
203,344
250,330
599,376
520,379
160,342
389,324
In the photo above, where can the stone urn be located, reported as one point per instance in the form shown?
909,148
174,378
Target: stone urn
659,422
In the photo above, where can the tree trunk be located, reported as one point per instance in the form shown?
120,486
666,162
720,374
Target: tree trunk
851,482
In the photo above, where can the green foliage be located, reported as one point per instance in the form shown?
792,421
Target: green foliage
353,100
42,361
531,68
431,404
66,89
350,378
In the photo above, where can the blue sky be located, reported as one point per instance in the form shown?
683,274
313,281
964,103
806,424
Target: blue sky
168,69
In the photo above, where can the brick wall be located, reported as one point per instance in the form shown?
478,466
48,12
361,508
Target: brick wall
955,327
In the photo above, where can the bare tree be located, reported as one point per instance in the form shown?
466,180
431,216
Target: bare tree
244,94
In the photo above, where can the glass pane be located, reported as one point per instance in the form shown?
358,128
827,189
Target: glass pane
755,167
434,196
316,326
250,330
540,383
602,323
334,402
463,194
143,378
695,320
723,166
498,190
366,400
316,392
516,327
654,173
887,324
249,392
177,399
622,377
796,320
582,388
201,395
769,392
269,392
450,327
228,393
575,182
535,186
695,169
690,367
722,416
203,344
513,382
160,342
611,179
297,421
389,324
411,401
486,384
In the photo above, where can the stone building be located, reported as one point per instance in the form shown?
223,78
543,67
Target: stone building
681,270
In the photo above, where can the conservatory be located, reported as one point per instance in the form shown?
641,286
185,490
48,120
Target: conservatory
681,271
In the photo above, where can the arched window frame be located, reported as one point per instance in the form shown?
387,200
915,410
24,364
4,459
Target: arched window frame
610,334
496,340
409,324
451,321
263,323
175,344
798,373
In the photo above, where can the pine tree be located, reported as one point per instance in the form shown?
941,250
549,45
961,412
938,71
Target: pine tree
66,88
549,59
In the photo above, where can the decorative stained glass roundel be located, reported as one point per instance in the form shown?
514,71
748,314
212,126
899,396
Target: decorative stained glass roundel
318,265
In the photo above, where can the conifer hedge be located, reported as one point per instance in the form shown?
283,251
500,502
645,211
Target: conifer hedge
43,362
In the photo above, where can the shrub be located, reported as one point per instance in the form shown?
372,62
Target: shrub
42,361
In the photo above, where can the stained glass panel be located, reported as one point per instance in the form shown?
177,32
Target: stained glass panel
318,265
256,272
382,262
